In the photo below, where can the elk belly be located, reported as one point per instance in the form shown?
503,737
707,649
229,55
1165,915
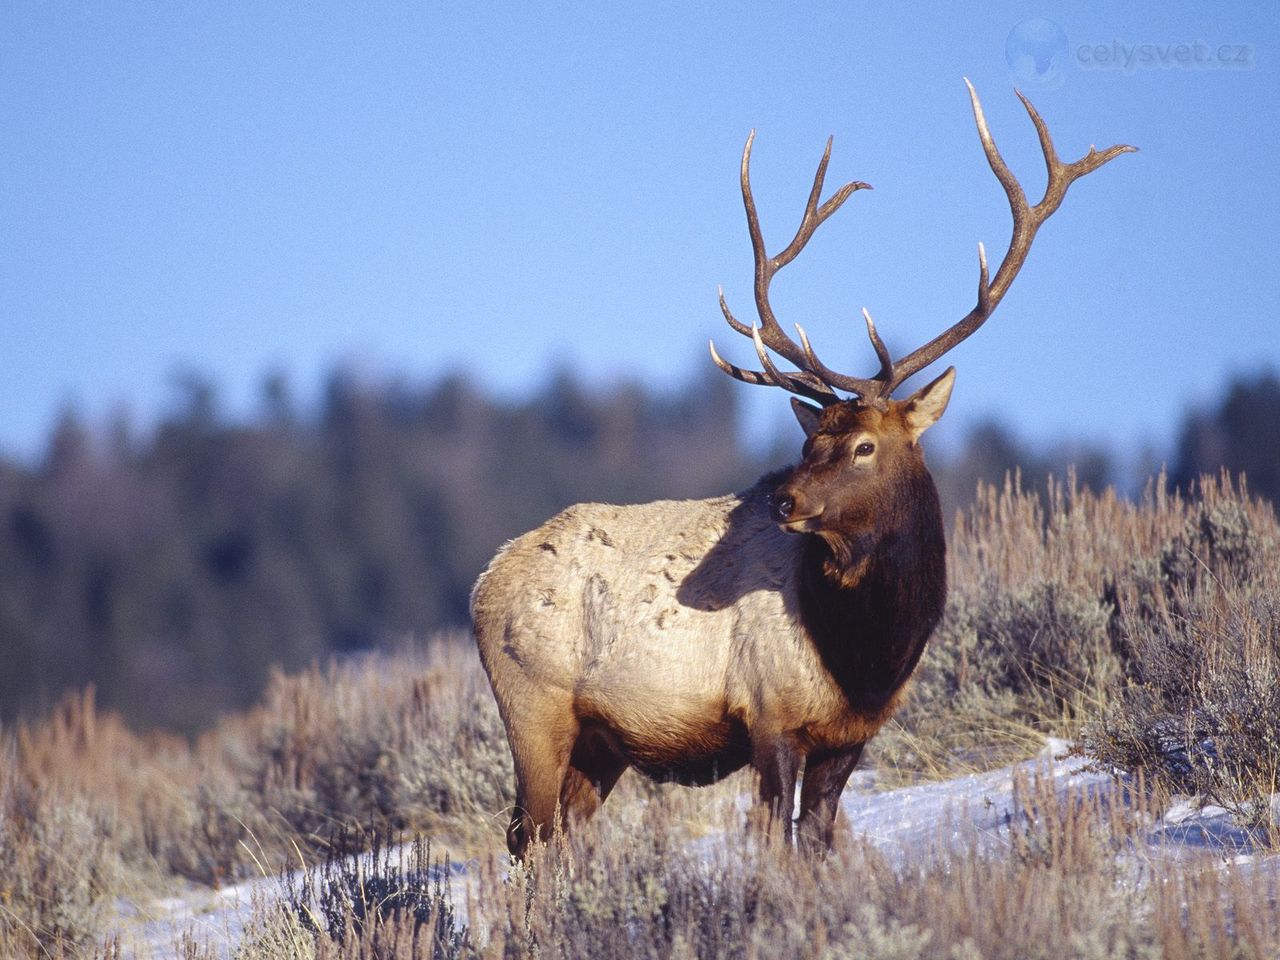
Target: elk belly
692,755
669,740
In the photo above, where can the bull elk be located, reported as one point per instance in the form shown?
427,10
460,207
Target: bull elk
775,627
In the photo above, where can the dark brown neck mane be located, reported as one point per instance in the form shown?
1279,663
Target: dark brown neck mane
871,603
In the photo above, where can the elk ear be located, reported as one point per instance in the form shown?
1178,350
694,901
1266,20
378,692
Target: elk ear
925,406
807,414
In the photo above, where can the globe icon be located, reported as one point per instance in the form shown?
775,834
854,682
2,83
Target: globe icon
1036,50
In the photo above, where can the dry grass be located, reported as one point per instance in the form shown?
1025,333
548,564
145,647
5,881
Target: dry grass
90,810
1067,884
1074,613
1199,624
1152,630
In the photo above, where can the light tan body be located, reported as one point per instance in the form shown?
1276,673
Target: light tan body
667,629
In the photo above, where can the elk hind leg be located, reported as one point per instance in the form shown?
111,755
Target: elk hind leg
541,744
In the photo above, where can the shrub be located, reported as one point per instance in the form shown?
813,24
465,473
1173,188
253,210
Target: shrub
413,742
57,870
1199,620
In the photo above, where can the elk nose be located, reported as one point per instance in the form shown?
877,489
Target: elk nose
782,506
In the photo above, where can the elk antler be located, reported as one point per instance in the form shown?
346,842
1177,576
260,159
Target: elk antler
814,379
769,334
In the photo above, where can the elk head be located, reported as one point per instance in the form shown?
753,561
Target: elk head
859,450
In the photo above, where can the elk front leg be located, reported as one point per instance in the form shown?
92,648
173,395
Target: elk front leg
777,760
825,774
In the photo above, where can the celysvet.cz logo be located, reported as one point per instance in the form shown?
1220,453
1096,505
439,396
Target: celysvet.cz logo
1192,55
1039,54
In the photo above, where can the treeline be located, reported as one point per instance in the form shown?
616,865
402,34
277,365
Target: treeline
174,571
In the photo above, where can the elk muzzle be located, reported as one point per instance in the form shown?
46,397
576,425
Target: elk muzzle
791,509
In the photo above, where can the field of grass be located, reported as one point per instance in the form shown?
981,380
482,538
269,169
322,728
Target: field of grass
1148,634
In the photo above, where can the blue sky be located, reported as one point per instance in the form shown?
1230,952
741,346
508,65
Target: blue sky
500,188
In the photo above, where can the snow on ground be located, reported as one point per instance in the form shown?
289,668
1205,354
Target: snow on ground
219,918
979,808
154,929
975,810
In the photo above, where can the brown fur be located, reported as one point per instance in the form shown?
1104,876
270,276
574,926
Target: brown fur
689,639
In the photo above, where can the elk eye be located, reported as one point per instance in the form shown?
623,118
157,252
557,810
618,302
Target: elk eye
865,449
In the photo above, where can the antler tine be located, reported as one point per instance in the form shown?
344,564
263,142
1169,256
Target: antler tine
863,388
814,214
733,321
1027,220
800,383
882,352
770,332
